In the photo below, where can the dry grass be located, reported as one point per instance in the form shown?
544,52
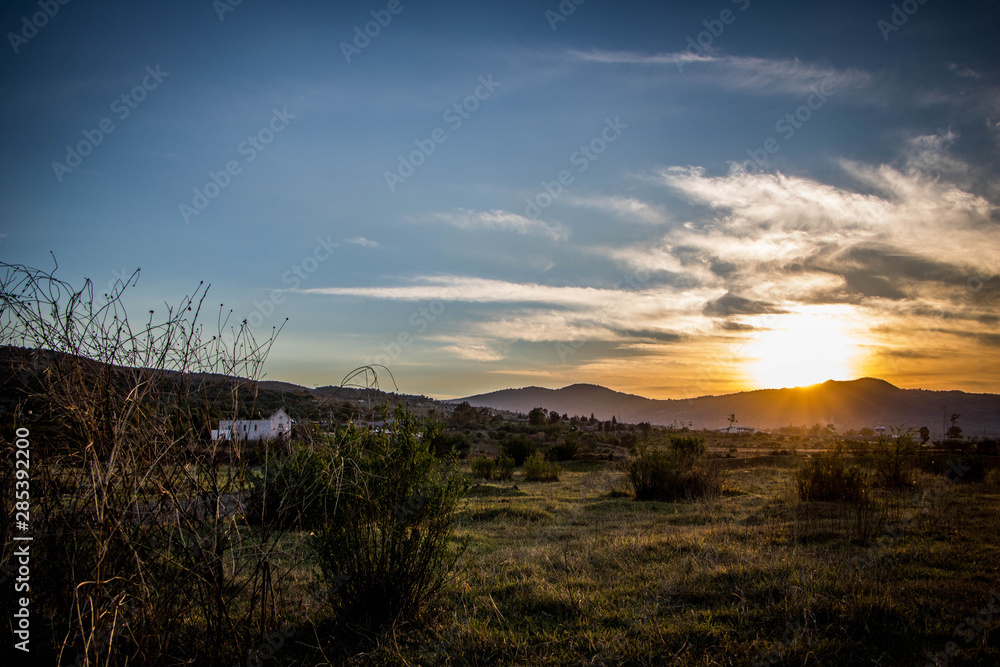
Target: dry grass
564,573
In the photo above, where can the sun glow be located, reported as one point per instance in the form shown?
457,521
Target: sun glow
801,349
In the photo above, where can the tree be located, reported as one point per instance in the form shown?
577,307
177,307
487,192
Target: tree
732,420
925,435
954,431
537,417
554,417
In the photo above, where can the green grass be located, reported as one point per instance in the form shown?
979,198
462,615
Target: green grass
562,573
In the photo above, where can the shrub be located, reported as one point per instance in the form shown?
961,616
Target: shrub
669,475
385,552
482,468
564,451
503,468
450,443
140,554
518,447
891,458
687,447
295,491
988,448
537,469
828,477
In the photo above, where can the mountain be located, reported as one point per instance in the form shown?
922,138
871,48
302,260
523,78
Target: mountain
22,370
850,404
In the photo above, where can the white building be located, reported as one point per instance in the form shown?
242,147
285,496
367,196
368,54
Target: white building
278,425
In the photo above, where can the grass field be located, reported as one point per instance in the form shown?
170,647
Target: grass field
574,572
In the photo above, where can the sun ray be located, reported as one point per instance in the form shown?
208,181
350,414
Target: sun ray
802,348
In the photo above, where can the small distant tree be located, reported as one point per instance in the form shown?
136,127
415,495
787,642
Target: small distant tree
554,417
954,431
892,458
925,435
732,420
518,447
537,417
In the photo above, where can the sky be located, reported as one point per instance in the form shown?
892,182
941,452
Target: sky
668,199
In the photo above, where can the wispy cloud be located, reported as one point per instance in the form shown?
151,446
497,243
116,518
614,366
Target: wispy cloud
479,290
964,72
903,233
749,74
628,208
362,241
498,220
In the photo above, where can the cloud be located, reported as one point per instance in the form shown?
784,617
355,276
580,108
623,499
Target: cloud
730,304
477,290
628,208
964,72
497,220
915,233
362,241
762,76
543,313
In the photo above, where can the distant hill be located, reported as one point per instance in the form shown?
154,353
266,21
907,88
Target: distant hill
852,404
21,370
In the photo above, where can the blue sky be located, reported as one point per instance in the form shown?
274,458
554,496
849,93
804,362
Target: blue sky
753,194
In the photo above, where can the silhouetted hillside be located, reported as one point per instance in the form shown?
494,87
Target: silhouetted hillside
854,404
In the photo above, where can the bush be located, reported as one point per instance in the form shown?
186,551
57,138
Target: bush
385,552
828,477
987,448
294,491
503,469
891,458
669,476
482,468
140,553
450,443
564,451
687,448
537,469
518,447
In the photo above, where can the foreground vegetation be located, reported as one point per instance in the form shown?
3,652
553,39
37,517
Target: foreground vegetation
575,572
469,537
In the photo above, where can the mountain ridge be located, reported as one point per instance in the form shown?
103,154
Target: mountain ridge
848,404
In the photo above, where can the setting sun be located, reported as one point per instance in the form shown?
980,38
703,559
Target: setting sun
801,349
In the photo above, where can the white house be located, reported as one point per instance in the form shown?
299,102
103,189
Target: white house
278,425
